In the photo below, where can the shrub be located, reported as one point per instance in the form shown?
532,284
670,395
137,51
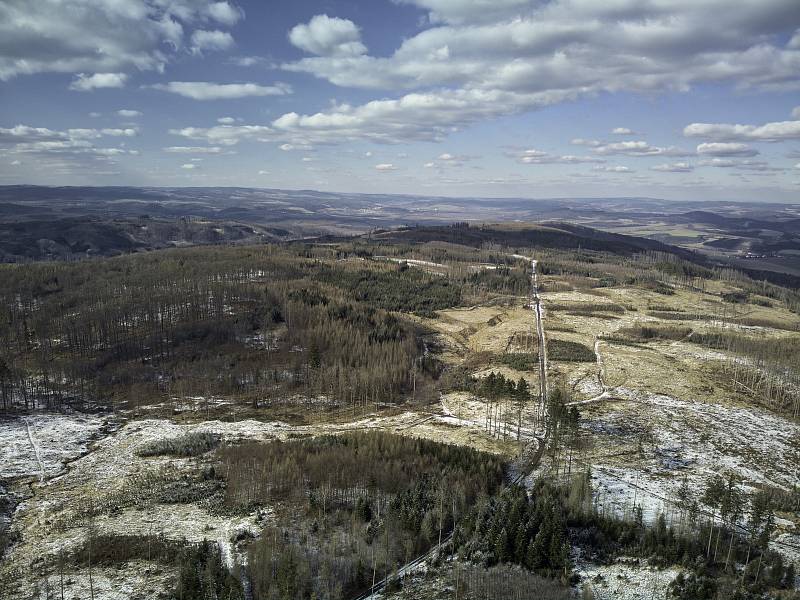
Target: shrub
191,444
567,351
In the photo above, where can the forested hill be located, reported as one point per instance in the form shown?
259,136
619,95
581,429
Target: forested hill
562,236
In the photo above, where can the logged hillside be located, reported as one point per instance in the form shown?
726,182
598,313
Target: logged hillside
308,417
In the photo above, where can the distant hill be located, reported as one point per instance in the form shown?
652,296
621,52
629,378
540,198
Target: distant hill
551,235
69,239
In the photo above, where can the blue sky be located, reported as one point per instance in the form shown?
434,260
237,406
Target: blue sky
676,99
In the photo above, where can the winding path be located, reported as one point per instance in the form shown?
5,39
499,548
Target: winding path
35,447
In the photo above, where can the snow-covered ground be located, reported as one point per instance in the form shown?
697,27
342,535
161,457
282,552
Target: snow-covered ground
626,579
38,445
140,581
54,518
697,440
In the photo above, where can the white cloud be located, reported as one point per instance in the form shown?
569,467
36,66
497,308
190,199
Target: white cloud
585,46
638,148
328,36
98,36
21,134
585,142
226,120
224,13
622,131
368,154
110,151
128,113
252,61
117,132
742,165
539,157
417,116
723,163
86,83
488,59
796,112
193,149
613,169
16,163
678,167
797,166
204,90
227,135
211,40
385,167
726,149
72,149
189,166
769,132
460,11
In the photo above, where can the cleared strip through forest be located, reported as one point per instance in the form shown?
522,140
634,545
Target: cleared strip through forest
378,586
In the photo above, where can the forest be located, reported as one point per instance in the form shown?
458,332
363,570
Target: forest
249,323
353,507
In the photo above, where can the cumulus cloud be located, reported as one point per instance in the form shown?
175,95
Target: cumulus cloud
678,167
769,132
86,83
224,12
193,149
226,120
539,157
448,159
101,36
68,148
385,167
638,148
128,113
252,61
328,36
211,40
622,131
509,56
461,11
587,46
427,116
726,149
20,134
613,169
742,165
204,90
227,135
585,142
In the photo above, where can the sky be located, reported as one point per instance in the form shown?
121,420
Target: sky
678,99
